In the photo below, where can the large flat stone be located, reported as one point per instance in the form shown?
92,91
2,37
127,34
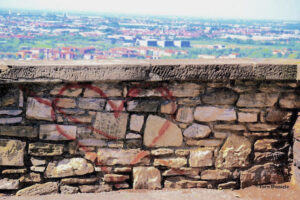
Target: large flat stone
261,174
18,131
38,110
170,162
183,182
290,100
9,184
184,171
45,149
39,189
68,167
146,178
201,157
211,113
222,96
197,131
110,125
12,152
143,105
257,100
57,132
127,157
160,132
234,153
215,174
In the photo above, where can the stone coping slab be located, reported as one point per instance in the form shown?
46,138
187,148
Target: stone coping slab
148,70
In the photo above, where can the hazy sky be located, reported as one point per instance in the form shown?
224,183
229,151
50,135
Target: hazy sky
251,9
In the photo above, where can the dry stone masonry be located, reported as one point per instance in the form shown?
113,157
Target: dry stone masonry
166,130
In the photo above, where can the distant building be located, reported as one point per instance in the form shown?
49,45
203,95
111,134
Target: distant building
148,43
182,43
166,43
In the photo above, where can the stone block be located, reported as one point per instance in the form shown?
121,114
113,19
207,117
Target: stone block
127,157
211,113
104,90
160,132
220,96
143,106
39,189
110,125
38,110
91,104
183,183
18,131
216,174
201,157
146,178
197,131
12,152
9,184
258,100
247,117
185,115
45,149
290,100
136,122
170,162
57,132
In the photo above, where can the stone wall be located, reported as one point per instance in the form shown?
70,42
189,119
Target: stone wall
103,136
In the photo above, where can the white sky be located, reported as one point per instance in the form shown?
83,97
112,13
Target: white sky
251,9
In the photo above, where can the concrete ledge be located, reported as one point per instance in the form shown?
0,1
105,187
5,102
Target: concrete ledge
153,70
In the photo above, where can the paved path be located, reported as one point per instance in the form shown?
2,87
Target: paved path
252,193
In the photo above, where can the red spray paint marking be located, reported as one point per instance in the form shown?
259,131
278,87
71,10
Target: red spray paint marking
133,92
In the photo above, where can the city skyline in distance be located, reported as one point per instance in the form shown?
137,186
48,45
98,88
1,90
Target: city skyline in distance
219,9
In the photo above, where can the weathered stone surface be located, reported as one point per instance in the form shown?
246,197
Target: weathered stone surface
95,188
182,182
170,162
247,117
14,171
115,178
115,105
68,167
9,184
290,100
201,157
65,103
45,149
262,127
133,136
211,113
185,89
91,103
136,122
81,181
18,131
234,153
8,96
134,144
257,100
222,96
230,127
72,111
108,89
31,178
221,134
39,189
266,145
160,132
142,105
107,156
204,143
276,115
38,168
184,171
193,101
66,189
61,90
11,120
38,110
168,107
121,185
10,112
197,131
185,115
51,132
182,152
12,152
228,185
37,162
296,129
162,152
269,156
261,174
111,126
215,174
256,134
146,178
122,169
